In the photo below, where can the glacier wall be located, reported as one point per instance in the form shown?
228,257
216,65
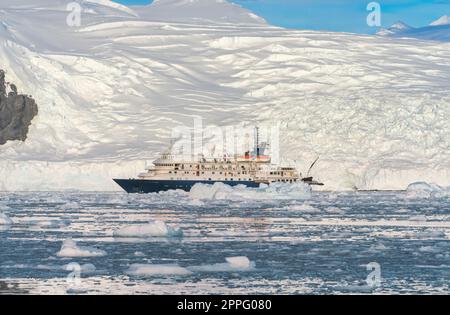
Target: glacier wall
374,109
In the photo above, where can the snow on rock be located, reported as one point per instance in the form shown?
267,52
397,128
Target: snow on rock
439,30
152,229
443,20
142,270
5,220
233,264
425,190
220,191
70,248
395,29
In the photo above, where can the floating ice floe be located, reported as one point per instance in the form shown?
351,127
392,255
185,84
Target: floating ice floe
36,267
427,234
196,203
5,220
70,205
152,229
220,191
70,248
334,210
233,264
429,249
4,207
156,270
50,223
425,190
75,291
418,218
377,248
305,208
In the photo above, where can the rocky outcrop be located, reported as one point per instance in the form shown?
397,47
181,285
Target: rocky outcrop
16,112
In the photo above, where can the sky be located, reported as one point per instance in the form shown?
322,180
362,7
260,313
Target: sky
340,15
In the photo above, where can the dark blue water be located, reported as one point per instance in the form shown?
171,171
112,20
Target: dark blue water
320,246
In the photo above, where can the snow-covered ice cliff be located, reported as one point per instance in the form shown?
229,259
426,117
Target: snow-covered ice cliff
109,92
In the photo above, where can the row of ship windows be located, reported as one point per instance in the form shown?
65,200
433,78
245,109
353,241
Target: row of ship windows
239,173
193,173
203,167
277,173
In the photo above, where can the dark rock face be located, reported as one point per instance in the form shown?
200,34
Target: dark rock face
16,113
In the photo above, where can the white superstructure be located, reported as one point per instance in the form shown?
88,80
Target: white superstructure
255,168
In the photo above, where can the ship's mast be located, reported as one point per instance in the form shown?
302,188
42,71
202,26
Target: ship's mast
257,143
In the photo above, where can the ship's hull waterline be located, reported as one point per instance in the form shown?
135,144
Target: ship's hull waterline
145,186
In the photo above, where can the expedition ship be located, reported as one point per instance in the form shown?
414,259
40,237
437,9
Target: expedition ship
170,172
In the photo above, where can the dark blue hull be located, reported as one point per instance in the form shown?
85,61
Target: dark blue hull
138,186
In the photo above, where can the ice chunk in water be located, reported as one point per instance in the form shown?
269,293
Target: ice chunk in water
70,248
5,220
240,262
278,191
233,264
425,190
156,270
152,229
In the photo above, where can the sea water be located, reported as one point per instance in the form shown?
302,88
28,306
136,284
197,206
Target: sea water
179,243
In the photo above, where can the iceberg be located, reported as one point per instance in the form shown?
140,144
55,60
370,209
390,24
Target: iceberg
142,270
233,264
425,190
275,191
104,87
70,248
152,229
